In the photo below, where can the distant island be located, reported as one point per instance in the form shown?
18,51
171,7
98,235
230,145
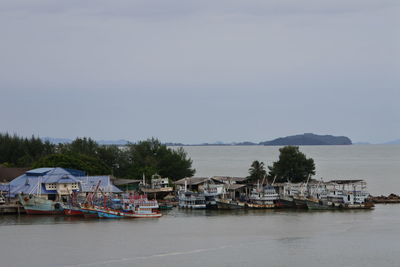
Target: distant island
308,139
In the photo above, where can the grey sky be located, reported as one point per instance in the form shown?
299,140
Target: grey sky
200,71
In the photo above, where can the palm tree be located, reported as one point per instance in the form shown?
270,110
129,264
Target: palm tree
257,171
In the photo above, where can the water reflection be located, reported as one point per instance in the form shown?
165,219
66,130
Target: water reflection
175,212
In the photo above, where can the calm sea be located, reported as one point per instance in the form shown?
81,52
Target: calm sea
218,238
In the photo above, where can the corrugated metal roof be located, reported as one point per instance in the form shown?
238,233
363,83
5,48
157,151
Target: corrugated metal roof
38,172
125,181
346,181
228,178
88,183
34,184
234,186
191,181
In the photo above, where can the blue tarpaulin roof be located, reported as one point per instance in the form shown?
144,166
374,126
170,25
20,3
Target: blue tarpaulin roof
33,181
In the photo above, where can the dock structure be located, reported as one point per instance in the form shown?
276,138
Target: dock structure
11,209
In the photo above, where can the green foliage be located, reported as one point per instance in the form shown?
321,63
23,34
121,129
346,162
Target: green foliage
150,157
292,166
22,152
86,146
257,171
90,165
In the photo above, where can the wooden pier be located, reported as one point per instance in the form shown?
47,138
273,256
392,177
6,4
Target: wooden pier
11,209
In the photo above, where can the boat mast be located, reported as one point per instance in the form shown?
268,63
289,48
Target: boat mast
273,182
185,184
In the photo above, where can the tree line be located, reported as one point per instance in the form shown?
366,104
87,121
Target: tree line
131,161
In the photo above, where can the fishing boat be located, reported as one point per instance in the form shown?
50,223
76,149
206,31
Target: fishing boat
211,192
34,204
263,197
191,200
134,207
143,207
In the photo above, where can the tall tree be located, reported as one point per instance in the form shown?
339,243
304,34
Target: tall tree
292,166
150,157
86,146
257,171
22,152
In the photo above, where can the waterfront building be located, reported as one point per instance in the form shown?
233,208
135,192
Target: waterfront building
126,185
158,188
58,183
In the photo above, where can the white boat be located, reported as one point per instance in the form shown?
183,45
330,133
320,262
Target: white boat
191,200
145,208
211,193
263,197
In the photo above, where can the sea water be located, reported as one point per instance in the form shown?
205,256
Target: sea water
227,238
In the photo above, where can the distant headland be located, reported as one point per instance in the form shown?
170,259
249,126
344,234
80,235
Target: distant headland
307,139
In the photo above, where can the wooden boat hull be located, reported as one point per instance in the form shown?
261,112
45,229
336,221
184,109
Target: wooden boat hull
43,212
166,207
104,214
284,203
110,213
259,206
192,206
227,205
320,205
89,213
300,203
367,205
327,205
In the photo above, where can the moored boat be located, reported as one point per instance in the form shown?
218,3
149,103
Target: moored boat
36,205
134,207
143,207
191,200
262,198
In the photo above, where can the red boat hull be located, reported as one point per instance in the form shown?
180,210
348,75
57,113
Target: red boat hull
43,212
71,212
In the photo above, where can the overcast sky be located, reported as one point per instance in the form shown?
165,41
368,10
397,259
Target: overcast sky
200,71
